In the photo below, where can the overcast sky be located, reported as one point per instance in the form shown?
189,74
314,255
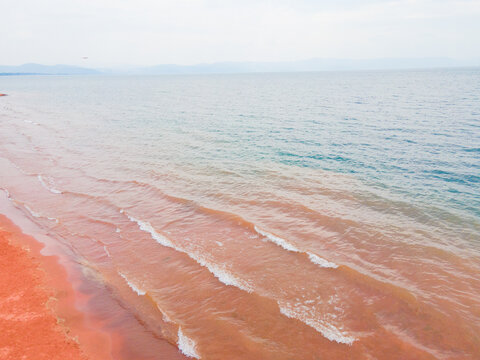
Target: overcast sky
148,32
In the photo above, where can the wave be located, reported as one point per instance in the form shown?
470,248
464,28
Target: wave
38,215
167,318
106,251
290,247
132,285
33,213
147,227
328,330
321,261
219,271
226,277
51,189
222,214
277,240
187,345
223,275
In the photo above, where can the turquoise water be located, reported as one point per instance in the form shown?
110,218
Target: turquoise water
415,134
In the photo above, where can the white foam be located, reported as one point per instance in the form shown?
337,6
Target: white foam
147,227
106,251
277,240
186,345
165,316
38,215
51,189
290,247
133,286
220,272
321,261
329,331
33,213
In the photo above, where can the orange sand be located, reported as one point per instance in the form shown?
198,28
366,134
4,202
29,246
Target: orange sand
28,326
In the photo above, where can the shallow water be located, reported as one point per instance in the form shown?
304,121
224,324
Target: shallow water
267,216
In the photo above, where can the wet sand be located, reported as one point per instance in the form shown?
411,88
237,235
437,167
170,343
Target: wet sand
29,293
51,308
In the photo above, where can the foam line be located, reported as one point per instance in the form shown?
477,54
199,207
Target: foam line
329,331
52,190
321,261
290,247
37,215
106,251
33,213
133,286
277,240
165,316
219,271
186,345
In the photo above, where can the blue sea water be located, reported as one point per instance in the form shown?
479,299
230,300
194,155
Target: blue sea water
415,133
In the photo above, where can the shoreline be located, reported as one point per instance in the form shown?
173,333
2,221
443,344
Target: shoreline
34,297
85,315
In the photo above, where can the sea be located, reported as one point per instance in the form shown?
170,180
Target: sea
327,215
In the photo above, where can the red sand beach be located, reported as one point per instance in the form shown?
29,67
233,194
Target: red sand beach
29,328
49,310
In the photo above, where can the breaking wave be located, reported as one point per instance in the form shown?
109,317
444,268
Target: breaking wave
33,213
186,345
329,331
132,285
106,251
38,215
277,240
321,261
51,189
219,271
290,247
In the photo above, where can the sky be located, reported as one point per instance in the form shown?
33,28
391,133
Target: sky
149,32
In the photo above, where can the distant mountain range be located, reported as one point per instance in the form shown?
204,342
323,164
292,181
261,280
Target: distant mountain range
304,65
37,69
247,67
